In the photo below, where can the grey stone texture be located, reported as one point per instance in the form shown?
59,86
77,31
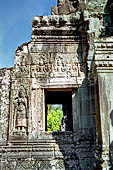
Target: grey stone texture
71,50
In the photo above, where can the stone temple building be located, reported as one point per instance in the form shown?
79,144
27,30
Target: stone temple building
69,61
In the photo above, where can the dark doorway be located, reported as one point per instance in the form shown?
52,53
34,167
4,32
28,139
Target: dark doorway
61,99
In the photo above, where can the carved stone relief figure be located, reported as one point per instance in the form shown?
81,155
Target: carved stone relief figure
64,124
66,68
20,111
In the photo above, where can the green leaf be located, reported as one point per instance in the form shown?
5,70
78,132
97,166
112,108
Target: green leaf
54,118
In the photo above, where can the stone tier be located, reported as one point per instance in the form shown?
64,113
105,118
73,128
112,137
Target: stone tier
104,55
46,148
55,21
43,137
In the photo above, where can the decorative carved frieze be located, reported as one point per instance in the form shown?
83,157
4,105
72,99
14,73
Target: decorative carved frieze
103,55
56,66
32,164
21,59
21,71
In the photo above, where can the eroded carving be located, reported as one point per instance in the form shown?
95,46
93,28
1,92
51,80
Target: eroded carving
55,67
20,111
67,6
22,71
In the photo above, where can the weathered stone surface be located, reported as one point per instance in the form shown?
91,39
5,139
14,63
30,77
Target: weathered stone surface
4,103
68,52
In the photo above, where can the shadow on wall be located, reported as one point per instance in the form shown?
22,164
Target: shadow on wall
107,161
78,154
78,148
111,144
66,156
108,19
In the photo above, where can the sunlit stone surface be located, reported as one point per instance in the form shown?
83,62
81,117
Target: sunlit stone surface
69,61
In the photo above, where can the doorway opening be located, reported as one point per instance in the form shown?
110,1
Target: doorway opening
58,109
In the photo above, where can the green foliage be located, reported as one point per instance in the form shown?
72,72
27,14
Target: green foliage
54,118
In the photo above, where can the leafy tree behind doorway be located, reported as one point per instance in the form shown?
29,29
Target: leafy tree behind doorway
54,117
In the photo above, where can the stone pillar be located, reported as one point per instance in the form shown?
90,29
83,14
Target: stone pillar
84,108
37,110
104,81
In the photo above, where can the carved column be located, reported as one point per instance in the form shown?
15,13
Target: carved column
4,104
37,105
104,108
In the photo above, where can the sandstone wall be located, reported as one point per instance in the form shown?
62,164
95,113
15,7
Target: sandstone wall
65,53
